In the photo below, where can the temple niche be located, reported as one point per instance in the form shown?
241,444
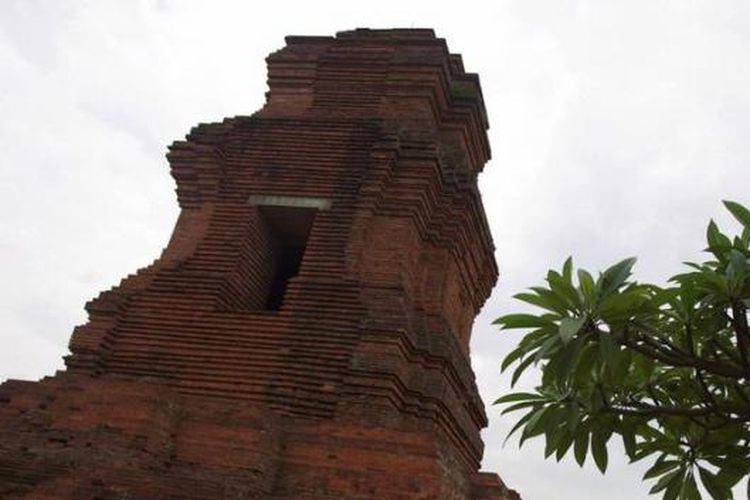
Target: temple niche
305,333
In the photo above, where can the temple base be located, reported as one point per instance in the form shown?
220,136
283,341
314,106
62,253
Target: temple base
74,436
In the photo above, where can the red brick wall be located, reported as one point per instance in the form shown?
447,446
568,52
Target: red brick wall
183,385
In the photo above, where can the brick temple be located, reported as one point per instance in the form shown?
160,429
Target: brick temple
305,333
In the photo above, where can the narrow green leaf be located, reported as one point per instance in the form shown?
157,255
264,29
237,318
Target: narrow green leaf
564,445
564,290
542,301
517,396
553,436
609,350
561,305
519,320
739,243
712,485
518,425
547,347
586,282
514,355
739,212
534,339
567,273
599,449
660,468
731,473
628,440
572,416
666,480
520,369
615,276
521,422
621,368
689,489
645,450
621,304
736,269
563,362
718,242
713,235
693,265
536,424
518,406
674,487
569,327
583,372
581,445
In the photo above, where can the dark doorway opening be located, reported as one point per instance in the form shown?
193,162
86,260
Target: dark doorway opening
288,229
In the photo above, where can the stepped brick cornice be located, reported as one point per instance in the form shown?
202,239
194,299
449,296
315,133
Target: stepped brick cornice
305,333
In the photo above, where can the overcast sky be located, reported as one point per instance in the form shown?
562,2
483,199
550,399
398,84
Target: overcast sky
616,128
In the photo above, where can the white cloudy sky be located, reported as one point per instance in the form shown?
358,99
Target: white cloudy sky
617,128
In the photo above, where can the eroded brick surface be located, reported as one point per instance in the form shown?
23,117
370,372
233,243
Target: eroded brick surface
305,333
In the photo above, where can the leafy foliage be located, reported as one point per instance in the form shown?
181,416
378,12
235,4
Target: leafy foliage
664,368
